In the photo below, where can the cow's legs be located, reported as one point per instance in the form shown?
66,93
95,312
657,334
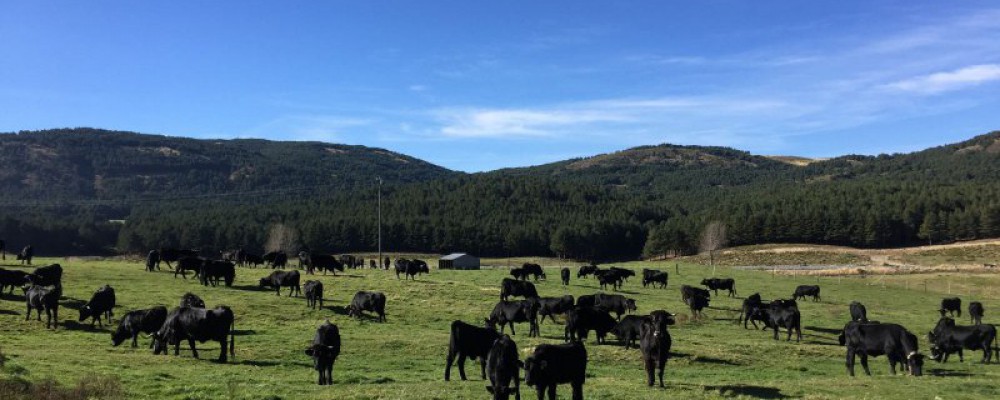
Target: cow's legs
864,364
222,353
650,371
461,366
850,362
482,367
541,392
961,356
663,362
135,339
577,391
194,350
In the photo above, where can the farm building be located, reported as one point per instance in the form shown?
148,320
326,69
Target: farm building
458,261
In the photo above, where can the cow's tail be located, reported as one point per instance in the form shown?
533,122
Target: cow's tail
232,339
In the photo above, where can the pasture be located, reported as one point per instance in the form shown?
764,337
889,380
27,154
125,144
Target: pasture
405,357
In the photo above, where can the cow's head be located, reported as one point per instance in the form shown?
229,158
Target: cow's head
630,305
533,370
120,334
937,353
85,312
490,323
159,342
264,282
915,361
705,282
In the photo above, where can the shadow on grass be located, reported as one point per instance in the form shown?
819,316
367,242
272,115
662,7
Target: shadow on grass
824,330
75,304
945,372
704,360
85,327
339,310
251,288
244,332
760,392
266,363
12,297
9,312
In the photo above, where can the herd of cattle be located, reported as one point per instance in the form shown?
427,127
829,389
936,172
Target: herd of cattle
548,366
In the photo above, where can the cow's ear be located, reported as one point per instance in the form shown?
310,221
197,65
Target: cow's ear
489,389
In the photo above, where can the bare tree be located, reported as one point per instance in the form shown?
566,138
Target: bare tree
282,237
713,238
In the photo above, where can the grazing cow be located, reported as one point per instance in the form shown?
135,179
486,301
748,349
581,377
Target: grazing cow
891,340
615,303
688,292
410,268
952,305
136,322
252,260
49,275
610,277
696,299
976,312
169,255
624,273
553,364
629,329
314,293
858,312
550,306
510,287
214,270
748,310
348,260
324,262
785,315
13,278
564,274
948,338
367,301
697,304
468,341
192,300
806,290
152,260
40,298
510,312
324,351
100,305
587,300
280,279
197,324
502,367
185,264
715,284
519,274
651,276
535,270
655,345
581,320
586,270
26,254
276,259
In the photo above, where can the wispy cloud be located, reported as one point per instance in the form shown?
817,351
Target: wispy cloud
947,81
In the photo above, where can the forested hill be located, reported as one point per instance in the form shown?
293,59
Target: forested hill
84,164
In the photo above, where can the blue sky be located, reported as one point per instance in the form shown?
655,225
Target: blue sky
477,86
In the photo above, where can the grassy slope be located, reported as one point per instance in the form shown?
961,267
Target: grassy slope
404,358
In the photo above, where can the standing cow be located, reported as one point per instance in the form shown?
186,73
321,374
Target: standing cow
367,301
136,322
324,351
551,365
197,324
280,279
655,345
976,312
564,274
152,260
314,294
40,298
26,254
100,305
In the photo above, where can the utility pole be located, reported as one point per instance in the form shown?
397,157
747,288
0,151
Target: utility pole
379,179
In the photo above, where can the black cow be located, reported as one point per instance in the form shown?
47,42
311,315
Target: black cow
976,312
785,315
587,300
13,278
629,329
276,259
252,260
510,312
26,254
891,340
858,312
468,341
136,322
610,277
325,262
749,309
652,276
324,351
348,260
952,306
624,273
214,270
367,301
3,250
152,260
948,338
502,367
385,263
715,284
655,345
550,306
511,287
564,274
586,270
43,298
101,304
519,274
806,290
697,299
410,268
192,300
185,264
581,320
615,303
314,293
280,279
49,275
553,364
372,264
534,270
197,324
169,255
688,292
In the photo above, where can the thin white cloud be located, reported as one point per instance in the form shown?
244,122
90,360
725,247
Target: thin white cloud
951,80
417,88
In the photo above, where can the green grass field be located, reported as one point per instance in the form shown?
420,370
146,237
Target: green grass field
404,358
